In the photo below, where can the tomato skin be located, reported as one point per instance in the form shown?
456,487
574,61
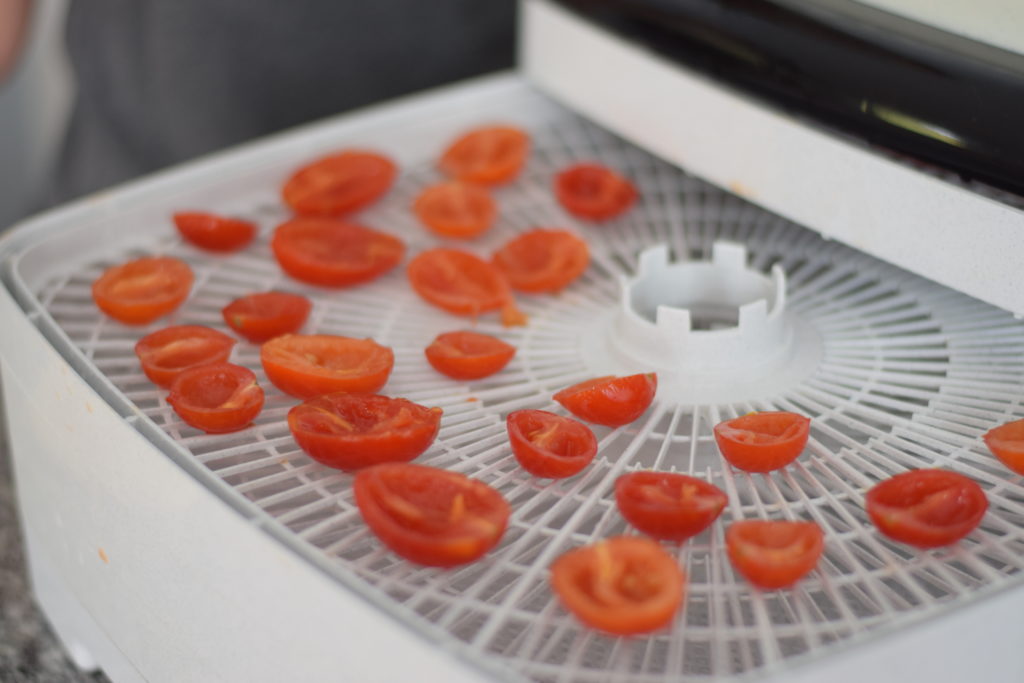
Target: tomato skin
774,554
263,316
762,442
170,351
1007,443
489,156
541,261
625,585
549,445
331,253
455,209
610,401
308,365
667,505
352,431
461,283
214,233
594,192
339,184
140,291
430,516
468,355
926,508
216,398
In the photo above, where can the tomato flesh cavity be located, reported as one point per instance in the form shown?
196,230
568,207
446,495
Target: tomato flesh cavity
1007,443
216,398
461,283
168,352
430,516
594,192
214,233
468,355
926,508
352,431
140,291
311,365
667,505
762,442
541,261
774,554
549,445
332,253
625,585
490,155
339,184
610,401
263,316
455,209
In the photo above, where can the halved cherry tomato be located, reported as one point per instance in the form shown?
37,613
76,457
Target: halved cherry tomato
167,353
456,209
213,232
462,283
468,355
308,365
486,155
549,445
339,184
140,291
351,431
263,316
1007,443
430,516
926,508
594,192
216,398
624,585
330,253
541,260
610,401
762,442
774,554
667,505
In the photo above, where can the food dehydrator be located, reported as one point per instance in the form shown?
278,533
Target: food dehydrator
770,263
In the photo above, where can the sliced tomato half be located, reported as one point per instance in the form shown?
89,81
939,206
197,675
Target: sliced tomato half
1007,443
340,183
490,155
168,352
455,209
331,253
668,505
216,398
214,233
762,442
610,401
462,283
774,554
308,365
263,316
594,192
140,291
549,445
468,355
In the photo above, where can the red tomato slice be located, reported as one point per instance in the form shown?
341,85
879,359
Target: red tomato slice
430,516
774,554
351,431
455,209
468,355
610,401
549,445
542,261
339,184
167,353
214,233
263,316
462,283
624,586
216,398
594,192
926,508
487,155
140,291
762,442
668,506
1007,443
330,253
311,365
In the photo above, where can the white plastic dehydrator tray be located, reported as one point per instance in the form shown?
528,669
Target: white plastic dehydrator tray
163,553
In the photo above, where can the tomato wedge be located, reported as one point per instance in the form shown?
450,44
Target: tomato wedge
774,554
430,516
214,233
140,291
462,283
594,192
667,505
489,156
216,398
468,355
455,209
1007,443
353,431
540,261
339,184
263,316
549,445
168,352
610,401
926,508
308,365
762,442
624,585
331,253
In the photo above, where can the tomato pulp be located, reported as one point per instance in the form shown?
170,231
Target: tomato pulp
610,401
774,554
489,156
456,209
339,184
594,192
549,445
263,316
331,253
468,355
926,508
464,284
214,233
168,352
762,442
540,261
667,505
311,365
1007,443
216,398
140,291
